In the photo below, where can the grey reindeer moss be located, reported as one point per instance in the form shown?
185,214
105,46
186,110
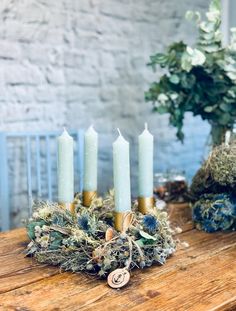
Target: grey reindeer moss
86,241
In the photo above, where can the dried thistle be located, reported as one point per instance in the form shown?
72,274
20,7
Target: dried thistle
214,212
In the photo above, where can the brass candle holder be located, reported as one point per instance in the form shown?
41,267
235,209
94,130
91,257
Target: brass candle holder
122,220
68,206
88,196
145,204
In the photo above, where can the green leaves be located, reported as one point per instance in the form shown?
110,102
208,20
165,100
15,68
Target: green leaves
146,239
158,59
161,109
209,108
224,119
210,37
226,107
56,240
201,79
174,79
171,59
192,57
193,16
215,5
187,80
146,236
186,62
31,228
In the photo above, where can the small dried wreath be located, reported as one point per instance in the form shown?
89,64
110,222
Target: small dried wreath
87,241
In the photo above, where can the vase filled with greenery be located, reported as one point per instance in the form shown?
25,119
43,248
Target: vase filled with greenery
200,79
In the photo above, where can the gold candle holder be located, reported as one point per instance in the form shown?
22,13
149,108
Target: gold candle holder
88,196
145,204
68,206
122,220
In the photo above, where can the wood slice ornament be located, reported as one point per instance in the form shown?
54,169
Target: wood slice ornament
118,278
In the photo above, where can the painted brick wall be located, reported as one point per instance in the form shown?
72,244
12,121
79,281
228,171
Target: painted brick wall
76,62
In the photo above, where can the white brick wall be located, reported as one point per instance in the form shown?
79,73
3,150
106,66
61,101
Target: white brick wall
76,62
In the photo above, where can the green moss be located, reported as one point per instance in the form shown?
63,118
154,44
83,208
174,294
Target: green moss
218,172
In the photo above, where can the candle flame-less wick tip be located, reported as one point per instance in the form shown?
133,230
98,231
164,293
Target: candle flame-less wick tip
119,131
145,125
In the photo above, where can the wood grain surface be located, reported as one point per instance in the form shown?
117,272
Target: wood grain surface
201,277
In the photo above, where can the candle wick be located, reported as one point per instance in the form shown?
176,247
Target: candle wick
119,131
146,125
64,128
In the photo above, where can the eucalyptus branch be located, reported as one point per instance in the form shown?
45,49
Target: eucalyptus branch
200,79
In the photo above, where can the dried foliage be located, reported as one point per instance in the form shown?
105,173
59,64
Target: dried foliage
221,165
86,241
214,212
214,190
218,173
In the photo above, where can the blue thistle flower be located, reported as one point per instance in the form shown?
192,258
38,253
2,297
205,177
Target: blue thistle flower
215,212
83,222
150,223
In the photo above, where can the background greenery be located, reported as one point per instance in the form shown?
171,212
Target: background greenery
201,80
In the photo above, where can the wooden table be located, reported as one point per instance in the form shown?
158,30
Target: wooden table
201,277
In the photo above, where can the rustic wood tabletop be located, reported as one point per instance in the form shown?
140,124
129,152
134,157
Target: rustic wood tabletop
200,277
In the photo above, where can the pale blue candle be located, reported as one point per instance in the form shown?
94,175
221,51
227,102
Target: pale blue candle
121,174
90,159
145,159
65,145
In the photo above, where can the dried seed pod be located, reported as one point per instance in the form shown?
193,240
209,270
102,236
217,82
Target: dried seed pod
109,234
96,255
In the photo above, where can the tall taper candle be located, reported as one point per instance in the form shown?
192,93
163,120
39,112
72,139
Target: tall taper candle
121,172
145,159
65,145
90,159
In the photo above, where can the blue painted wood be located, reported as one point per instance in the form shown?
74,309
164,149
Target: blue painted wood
40,134
33,142
29,173
4,185
38,166
49,167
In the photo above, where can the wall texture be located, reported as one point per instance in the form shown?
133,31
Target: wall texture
76,62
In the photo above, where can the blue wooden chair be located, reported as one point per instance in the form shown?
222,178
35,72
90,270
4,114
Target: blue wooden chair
38,154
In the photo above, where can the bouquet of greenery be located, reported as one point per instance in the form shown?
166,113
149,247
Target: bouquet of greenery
201,80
